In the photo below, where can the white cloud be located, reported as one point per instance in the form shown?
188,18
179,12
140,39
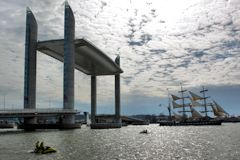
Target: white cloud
160,44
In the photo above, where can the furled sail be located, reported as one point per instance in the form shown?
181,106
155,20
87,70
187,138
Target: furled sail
216,113
195,103
219,108
175,97
195,114
195,97
175,105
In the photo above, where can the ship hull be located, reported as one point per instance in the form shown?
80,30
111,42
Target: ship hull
190,123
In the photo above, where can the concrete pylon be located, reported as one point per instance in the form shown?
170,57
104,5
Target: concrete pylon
69,63
30,64
117,93
93,98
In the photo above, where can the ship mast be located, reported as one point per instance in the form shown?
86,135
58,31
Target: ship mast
204,99
169,106
183,103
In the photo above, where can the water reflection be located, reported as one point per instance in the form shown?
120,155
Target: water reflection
206,142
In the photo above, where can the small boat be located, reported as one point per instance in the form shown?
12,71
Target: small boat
144,132
43,150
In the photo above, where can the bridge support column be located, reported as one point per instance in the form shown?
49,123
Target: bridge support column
117,93
69,63
30,65
93,98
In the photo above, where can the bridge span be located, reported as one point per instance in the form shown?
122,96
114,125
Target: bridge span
75,53
39,112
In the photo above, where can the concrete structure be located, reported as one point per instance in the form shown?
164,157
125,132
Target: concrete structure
40,115
74,53
40,112
93,98
117,93
107,119
69,63
30,65
88,58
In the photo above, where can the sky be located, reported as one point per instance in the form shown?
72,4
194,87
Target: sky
161,44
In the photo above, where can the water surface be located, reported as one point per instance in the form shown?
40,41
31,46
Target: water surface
167,143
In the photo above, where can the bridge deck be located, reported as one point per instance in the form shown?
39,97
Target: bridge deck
7,113
88,58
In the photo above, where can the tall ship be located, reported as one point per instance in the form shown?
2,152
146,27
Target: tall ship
192,109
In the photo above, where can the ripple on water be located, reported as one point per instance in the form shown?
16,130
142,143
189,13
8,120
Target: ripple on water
167,143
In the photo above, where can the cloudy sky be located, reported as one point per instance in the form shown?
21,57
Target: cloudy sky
161,43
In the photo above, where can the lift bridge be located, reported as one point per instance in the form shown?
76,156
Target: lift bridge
77,54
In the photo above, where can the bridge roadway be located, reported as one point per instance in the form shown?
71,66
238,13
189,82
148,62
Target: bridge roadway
39,112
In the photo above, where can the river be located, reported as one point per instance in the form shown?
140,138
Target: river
166,143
